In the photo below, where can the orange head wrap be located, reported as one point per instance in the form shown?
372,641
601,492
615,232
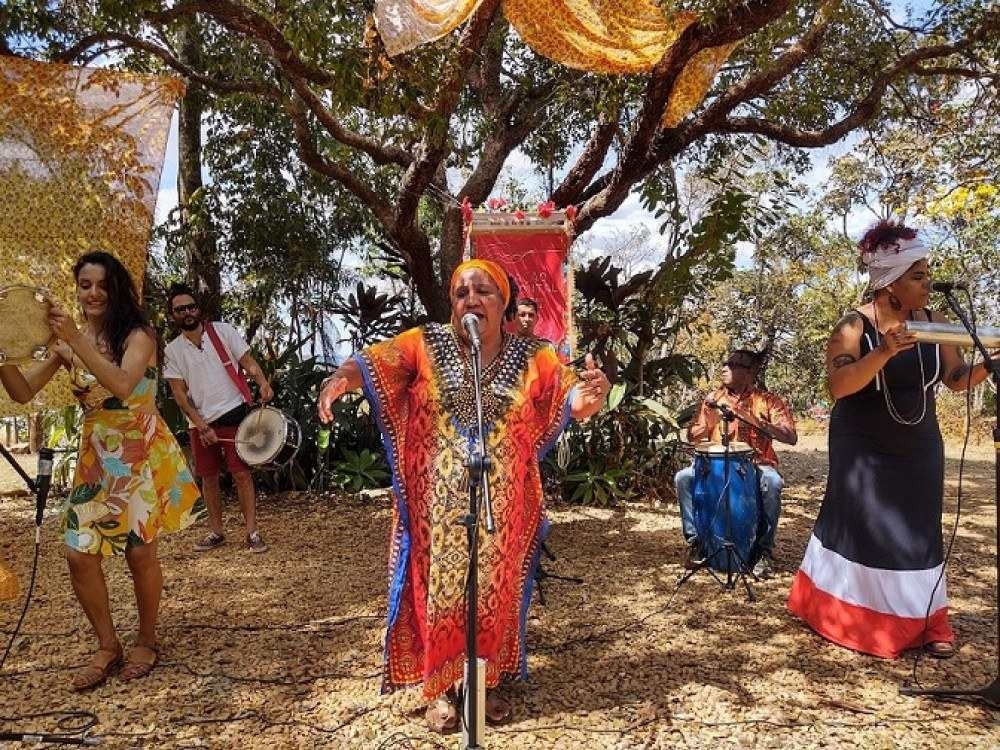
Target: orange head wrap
491,269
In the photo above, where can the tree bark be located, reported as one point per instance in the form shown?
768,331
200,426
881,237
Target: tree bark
36,432
200,247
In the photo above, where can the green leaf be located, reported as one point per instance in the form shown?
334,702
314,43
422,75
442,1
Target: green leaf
616,395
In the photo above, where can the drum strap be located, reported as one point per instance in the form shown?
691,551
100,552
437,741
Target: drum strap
227,362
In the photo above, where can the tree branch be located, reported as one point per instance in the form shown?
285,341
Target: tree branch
499,145
432,148
864,109
220,86
952,70
309,154
379,152
741,20
594,153
239,18
754,86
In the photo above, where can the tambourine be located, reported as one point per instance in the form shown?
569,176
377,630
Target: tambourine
25,335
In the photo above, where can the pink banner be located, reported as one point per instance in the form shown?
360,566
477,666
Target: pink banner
536,261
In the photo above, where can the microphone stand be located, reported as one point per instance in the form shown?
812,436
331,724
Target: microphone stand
989,694
45,454
474,705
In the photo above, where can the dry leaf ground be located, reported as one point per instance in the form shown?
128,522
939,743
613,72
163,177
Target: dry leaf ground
283,650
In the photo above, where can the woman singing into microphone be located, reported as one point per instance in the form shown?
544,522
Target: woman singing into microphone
872,577
420,387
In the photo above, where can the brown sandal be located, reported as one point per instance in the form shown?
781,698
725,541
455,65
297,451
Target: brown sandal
98,670
498,709
441,715
940,649
140,662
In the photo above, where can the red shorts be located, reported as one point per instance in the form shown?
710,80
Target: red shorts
208,459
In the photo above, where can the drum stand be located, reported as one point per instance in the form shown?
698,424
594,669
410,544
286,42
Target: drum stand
988,694
737,569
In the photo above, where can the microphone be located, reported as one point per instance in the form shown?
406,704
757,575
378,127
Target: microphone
947,286
42,482
471,325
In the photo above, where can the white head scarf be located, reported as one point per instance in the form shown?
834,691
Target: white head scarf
892,259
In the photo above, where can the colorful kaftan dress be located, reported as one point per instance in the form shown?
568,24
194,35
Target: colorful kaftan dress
131,480
419,385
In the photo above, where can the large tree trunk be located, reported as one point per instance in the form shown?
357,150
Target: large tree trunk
201,250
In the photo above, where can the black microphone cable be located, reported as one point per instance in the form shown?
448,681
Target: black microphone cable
958,502
42,484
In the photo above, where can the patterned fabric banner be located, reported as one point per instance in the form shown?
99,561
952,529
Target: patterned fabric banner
405,24
537,262
603,36
81,151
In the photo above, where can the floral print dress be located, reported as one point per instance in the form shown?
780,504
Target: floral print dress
132,481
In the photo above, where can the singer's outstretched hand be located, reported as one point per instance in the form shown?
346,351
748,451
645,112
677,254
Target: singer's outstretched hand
332,389
592,391
346,378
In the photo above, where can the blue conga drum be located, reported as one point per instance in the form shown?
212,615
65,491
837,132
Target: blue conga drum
710,497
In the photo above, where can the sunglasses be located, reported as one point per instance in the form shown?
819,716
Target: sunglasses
181,309
731,364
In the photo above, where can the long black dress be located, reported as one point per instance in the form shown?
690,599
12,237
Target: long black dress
876,552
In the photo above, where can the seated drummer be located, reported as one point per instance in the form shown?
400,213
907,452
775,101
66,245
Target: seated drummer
771,420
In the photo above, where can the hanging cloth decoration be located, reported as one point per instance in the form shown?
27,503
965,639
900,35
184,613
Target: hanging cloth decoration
405,24
601,36
535,253
80,156
621,36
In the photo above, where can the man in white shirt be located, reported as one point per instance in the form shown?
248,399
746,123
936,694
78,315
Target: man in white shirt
215,399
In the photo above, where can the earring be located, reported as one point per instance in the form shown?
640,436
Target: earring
894,302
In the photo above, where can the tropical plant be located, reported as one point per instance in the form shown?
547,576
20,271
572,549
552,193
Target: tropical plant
360,470
596,483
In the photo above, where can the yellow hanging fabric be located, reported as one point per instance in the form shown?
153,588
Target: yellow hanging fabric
623,36
619,37
601,36
80,156
405,24
694,82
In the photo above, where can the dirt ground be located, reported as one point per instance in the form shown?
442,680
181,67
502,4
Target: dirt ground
283,650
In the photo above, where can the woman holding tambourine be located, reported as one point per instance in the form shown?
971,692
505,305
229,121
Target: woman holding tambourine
131,481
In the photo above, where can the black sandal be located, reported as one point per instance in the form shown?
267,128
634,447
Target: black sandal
940,649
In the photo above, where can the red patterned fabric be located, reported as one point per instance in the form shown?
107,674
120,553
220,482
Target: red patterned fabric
418,384
536,262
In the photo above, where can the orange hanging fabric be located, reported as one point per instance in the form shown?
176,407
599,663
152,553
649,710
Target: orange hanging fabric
602,36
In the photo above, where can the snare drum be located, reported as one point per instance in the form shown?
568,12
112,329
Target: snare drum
267,438
709,498
25,334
